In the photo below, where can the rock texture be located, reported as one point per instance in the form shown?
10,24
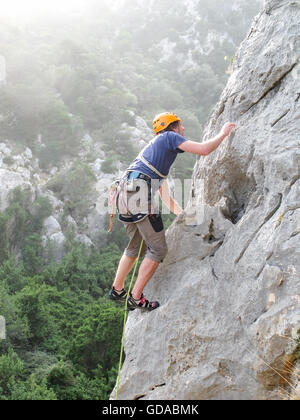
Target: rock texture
229,288
8,181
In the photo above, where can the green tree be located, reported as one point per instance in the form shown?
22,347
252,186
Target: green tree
61,131
22,225
13,274
33,259
17,331
11,369
60,379
76,188
32,391
4,252
98,339
41,209
31,302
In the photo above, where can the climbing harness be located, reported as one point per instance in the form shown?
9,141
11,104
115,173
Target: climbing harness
128,185
123,190
125,317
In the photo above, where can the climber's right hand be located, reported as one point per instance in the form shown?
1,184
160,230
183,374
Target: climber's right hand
226,129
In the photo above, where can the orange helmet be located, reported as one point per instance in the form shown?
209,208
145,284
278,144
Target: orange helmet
162,121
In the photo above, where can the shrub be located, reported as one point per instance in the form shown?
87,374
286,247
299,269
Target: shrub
31,391
76,188
11,369
8,160
3,238
108,166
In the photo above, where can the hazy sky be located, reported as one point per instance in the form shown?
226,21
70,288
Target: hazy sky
33,8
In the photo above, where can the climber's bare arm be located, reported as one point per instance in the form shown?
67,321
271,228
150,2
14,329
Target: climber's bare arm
209,146
167,198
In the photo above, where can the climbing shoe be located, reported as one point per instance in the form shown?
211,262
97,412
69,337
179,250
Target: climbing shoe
142,303
117,295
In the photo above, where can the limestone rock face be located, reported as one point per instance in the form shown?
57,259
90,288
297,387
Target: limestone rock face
8,181
51,226
230,286
53,237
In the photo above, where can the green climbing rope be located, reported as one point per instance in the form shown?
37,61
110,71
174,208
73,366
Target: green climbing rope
125,318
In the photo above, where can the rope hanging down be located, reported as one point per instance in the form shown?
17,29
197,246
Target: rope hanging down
125,318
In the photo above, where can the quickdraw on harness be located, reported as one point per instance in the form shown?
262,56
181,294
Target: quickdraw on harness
119,194
120,191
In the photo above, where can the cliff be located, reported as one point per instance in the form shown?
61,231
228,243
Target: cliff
229,289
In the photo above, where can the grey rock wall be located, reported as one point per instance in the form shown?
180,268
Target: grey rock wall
230,287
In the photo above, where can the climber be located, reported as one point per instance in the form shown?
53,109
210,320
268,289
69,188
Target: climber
154,163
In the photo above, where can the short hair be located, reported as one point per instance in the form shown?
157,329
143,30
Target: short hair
170,127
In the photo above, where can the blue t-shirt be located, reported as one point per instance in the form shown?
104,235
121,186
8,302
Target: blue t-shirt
161,153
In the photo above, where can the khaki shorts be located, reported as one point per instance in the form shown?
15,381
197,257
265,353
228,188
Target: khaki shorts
151,229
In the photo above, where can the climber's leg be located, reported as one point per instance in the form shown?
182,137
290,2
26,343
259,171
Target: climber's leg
125,265
146,271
